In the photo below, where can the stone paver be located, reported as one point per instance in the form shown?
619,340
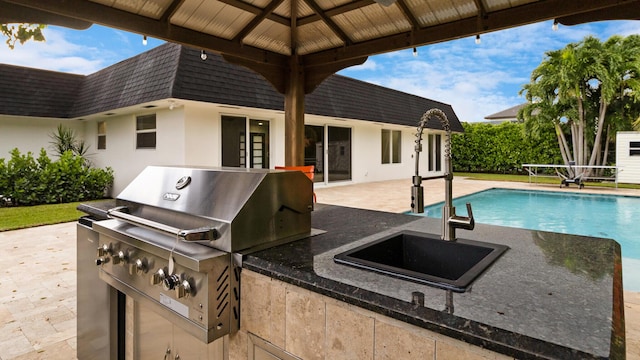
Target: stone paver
38,269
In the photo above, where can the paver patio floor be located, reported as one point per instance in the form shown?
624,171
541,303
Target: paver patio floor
38,269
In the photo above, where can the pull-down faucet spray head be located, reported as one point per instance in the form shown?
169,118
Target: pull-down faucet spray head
417,191
450,221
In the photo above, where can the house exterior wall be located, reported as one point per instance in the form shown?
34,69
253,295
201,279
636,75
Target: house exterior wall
629,164
32,134
191,135
121,153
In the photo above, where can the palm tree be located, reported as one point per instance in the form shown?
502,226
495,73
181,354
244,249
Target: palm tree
588,89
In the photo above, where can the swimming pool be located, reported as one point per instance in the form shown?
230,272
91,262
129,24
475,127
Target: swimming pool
608,216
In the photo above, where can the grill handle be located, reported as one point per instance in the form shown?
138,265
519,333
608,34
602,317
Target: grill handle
198,234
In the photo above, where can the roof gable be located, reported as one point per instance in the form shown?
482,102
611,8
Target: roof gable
142,78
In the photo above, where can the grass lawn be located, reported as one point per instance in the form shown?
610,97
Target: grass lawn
12,218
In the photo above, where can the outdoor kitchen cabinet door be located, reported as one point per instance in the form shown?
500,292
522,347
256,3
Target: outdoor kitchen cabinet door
157,338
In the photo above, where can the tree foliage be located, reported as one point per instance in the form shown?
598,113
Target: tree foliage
64,139
25,180
21,33
501,148
587,91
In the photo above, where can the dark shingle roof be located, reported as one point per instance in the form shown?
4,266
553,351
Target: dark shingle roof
217,81
510,113
39,93
344,97
175,71
143,78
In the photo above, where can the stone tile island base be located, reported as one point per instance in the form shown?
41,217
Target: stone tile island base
311,326
284,321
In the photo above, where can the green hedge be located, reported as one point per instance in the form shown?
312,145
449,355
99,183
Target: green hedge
25,180
501,149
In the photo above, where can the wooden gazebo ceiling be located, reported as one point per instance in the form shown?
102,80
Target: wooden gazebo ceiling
321,36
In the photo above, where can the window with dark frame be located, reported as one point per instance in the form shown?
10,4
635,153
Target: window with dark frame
634,148
391,146
434,146
102,135
146,131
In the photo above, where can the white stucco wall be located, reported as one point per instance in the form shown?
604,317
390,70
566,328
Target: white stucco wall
629,165
367,151
121,153
32,134
190,135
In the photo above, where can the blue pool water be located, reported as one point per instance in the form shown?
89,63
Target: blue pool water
607,216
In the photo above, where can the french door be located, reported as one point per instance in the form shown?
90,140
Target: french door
236,151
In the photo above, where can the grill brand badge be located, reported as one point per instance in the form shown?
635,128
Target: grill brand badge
181,184
171,196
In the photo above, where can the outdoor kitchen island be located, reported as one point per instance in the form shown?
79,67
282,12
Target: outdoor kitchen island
550,296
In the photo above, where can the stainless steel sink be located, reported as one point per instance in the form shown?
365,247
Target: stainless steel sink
425,258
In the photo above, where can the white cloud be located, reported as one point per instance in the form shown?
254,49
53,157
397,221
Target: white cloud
480,79
56,53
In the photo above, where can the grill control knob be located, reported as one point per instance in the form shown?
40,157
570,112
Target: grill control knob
158,277
104,250
102,260
120,257
183,290
141,266
170,282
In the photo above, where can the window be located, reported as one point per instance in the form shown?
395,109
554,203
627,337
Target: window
634,148
391,145
435,152
146,132
102,135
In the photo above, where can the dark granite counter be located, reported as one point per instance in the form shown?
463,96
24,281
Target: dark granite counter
550,296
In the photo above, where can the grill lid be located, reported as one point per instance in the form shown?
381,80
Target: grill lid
230,209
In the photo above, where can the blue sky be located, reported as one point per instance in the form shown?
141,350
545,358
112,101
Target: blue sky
476,79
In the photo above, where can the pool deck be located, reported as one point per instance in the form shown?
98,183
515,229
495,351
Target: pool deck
38,279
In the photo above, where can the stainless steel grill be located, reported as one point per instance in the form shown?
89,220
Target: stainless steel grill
174,238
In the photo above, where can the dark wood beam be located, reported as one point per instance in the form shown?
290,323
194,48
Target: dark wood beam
338,10
315,75
330,23
407,14
482,15
16,13
621,12
256,11
498,20
108,16
257,20
171,9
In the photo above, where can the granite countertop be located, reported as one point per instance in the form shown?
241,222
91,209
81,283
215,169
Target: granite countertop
550,295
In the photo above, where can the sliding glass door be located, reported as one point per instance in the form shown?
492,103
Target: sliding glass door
337,157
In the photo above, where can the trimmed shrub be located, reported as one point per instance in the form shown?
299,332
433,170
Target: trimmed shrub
25,180
501,149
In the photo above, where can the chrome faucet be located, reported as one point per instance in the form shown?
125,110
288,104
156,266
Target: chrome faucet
450,221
